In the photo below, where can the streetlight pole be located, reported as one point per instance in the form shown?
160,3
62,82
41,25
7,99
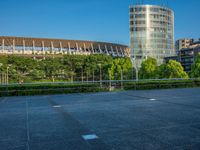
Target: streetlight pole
7,75
121,79
87,76
110,84
93,76
1,75
100,76
82,74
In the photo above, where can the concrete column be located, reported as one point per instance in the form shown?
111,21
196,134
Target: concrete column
77,47
24,48
100,51
3,45
13,46
106,50
33,47
117,51
92,48
122,52
84,48
52,47
43,52
61,49
112,50
69,46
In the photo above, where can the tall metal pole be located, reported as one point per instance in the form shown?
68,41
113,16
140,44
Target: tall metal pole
4,78
1,80
121,79
82,75
100,76
93,76
110,84
1,75
7,75
87,77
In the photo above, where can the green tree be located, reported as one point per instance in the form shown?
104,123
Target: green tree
195,71
148,69
172,69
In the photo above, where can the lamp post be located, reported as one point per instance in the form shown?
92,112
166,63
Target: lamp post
110,84
122,79
7,75
1,75
87,76
93,76
82,74
7,69
100,75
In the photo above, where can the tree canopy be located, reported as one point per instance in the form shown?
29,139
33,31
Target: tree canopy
195,71
172,69
66,68
148,69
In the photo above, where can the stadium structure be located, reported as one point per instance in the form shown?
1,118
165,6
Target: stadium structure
43,46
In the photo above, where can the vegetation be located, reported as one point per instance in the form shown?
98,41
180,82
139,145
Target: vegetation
195,72
172,69
161,84
71,68
67,68
41,89
148,69
87,68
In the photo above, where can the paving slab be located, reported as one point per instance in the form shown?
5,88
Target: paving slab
126,120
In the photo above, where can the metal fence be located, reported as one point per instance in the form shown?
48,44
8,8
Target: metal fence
38,88
82,77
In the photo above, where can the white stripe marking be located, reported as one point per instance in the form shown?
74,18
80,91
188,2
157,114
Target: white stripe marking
90,137
152,99
57,106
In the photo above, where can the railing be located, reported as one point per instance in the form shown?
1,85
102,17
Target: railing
15,89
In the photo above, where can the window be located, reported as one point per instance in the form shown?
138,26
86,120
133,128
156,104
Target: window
131,9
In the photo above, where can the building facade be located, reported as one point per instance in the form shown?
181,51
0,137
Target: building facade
183,43
44,46
151,32
186,56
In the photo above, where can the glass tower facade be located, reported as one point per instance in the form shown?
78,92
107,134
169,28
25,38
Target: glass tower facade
151,32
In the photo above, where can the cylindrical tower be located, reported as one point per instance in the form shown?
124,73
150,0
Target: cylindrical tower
151,32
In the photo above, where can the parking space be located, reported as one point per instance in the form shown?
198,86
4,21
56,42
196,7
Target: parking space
127,120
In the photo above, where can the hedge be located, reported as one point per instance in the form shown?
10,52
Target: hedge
25,90
62,88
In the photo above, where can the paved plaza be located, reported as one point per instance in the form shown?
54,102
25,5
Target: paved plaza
127,120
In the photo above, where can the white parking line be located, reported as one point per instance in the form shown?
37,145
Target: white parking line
90,137
57,106
152,99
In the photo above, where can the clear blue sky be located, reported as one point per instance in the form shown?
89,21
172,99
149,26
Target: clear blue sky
102,20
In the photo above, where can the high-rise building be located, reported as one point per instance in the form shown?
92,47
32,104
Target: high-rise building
186,56
151,32
183,43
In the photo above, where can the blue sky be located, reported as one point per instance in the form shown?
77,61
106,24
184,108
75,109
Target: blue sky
101,20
